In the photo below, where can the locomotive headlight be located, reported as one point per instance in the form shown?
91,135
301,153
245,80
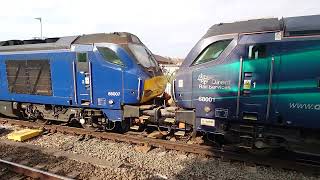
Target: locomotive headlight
82,121
207,109
111,102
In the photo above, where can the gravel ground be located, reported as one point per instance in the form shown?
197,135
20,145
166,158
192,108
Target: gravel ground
155,164
65,166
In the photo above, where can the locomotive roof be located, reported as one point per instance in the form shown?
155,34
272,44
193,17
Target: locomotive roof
256,25
302,25
66,42
117,38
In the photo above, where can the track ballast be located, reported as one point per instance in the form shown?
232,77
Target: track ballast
292,161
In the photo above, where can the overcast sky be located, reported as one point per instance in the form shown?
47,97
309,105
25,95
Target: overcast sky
167,27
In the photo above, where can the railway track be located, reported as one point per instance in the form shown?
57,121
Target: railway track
30,172
309,165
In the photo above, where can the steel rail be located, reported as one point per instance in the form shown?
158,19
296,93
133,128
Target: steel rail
31,172
225,153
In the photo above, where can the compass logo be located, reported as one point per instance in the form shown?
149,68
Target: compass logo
203,79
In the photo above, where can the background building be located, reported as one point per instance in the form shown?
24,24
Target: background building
169,67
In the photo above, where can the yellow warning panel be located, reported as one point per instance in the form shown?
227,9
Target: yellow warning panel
247,84
24,134
153,87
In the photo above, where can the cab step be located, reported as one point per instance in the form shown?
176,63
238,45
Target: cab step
245,129
246,141
135,128
180,133
246,137
144,117
170,120
245,147
146,107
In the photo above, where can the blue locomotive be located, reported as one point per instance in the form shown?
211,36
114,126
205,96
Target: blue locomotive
256,83
95,79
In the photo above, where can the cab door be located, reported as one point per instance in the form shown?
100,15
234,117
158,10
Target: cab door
83,86
256,83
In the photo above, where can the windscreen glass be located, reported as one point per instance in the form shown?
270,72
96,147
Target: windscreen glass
212,52
110,56
143,56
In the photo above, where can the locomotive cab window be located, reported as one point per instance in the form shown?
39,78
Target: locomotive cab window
257,51
82,62
110,56
143,56
212,52
82,57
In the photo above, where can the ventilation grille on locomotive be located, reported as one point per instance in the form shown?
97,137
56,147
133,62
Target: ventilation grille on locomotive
29,77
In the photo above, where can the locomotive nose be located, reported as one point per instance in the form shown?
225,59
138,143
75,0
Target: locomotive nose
153,87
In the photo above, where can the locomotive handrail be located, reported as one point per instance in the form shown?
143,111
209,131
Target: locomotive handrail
90,82
270,88
173,90
239,86
139,86
74,82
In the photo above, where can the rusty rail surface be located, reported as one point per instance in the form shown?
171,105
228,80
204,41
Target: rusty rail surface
31,172
292,163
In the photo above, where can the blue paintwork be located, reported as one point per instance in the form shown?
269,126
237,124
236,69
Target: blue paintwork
106,77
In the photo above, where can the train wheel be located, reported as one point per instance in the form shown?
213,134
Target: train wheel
110,126
88,127
41,121
87,124
123,126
